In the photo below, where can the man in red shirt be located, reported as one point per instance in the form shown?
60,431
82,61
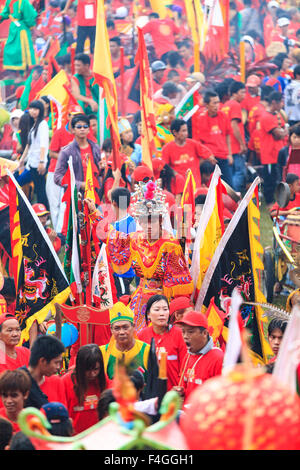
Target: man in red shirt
214,132
252,97
186,52
158,68
233,110
203,359
86,22
163,33
273,133
12,356
183,153
14,390
115,51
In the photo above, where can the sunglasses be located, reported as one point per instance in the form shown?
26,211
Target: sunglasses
84,126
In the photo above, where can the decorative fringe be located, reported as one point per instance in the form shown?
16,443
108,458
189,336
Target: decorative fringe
179,289
42,314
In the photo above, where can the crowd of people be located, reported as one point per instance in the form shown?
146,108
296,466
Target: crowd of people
246,125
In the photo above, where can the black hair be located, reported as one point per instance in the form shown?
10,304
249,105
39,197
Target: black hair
62,428
153,14
200,199
208,95
169,88
6,432
275,324
20,441
45,98
87,357
296,71
206,168
295,129
184,43
152,300
279,58
104,401
110,23
116,39
298,32
119,193
236,86
174,58
64,59
137,379
265,90
92,116
79,118
36,104
274,96
107,145
46,347
166,175
223,88
172,73
176,125
84,58
25,124
291,178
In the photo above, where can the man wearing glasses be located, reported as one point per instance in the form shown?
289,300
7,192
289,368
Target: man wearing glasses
81,149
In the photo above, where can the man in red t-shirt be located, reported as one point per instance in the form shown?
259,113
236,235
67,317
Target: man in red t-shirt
12,356
214,132
14,390
203,359
183,154
252,97
233,110
163,33
115,51
272,138
86,22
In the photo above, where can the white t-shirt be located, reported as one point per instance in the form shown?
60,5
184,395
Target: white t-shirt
40,140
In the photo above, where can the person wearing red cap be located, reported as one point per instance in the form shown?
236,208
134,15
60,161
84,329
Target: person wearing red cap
142,173
178,307
203,359
12,356
43,214
167,337
252,97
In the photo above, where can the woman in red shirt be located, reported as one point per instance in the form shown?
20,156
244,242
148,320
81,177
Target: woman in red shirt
83,387
167,337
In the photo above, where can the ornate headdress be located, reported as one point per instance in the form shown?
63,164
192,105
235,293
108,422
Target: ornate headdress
149,199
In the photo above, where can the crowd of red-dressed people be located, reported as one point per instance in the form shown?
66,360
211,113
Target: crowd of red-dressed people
246,127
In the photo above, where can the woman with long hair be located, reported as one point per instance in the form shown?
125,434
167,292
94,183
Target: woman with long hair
167,337
35,155
83,387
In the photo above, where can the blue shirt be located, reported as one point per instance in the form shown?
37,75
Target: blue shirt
126,225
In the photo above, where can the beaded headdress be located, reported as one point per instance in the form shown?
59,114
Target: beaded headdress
149,199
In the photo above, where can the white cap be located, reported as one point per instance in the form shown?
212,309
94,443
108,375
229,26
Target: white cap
283,22
273,4
121,12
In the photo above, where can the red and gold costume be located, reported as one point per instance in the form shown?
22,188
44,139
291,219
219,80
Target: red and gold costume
160,265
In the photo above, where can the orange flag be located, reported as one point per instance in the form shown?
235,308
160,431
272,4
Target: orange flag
146,93
104,77
91,183
188,195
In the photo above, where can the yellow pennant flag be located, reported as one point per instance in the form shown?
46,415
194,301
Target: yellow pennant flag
57,93
90,190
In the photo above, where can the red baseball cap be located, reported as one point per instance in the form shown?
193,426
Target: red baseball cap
157,164
75,109
6,316
141,172
193,318
253,80
40,209
179,303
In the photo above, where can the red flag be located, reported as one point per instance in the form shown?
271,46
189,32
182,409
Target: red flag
146,99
